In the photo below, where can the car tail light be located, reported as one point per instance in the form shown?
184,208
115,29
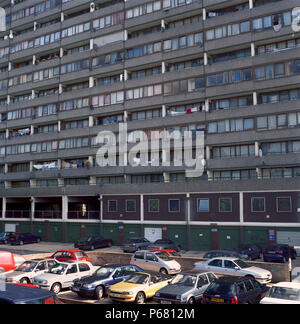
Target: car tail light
204,297
234,301
280,252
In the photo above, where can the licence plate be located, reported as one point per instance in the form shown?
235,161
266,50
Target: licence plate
165,302
114,295
270,252
217,300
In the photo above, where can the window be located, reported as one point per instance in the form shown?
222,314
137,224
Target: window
174,205
203,205
130,205
153,205
284,204
112,206
225,205
258,205
215,263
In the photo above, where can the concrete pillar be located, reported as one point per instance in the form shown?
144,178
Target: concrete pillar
164,110
259,173
61,52
7,133
91,82
9,66
31,166
3,207
205,59
206,105
32,204
125,35
125,75
253,49
251,4
5,168
33,59
210,175
59,164
65,206
91,44
60,88
257,149
31,130
62,17
208,153
32,94
91,121
166,176
163,67
59,126
204,13
125,116
255,98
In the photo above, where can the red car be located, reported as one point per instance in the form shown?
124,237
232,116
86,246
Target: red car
70,255
171,253
10,261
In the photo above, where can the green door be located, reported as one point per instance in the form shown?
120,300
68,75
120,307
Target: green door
200,238
131,231
178,234
73,232
111,231
39,230
229,238
55,232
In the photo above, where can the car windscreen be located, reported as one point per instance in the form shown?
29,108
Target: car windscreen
2,235
241,264
284,293
164,256
58,269
135,240
80,254
86,239
138,279
104,271
184,280
27,266
218,288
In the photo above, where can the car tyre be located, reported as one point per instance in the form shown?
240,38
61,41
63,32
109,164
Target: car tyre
92,248
24,280
191,300
163,271
99,292
56,288
21,243
140,298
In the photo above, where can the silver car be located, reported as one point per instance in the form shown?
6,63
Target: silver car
63,274
185,288
155,261
134,244
235,267
25,272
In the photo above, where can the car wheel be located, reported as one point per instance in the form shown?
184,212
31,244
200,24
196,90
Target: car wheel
92,248
24,281
140,298
191,300
21,243
163,271
56,288
99,292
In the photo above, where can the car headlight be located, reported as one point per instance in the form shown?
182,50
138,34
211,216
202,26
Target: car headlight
44,282
157,294
127,293
178,297
88,286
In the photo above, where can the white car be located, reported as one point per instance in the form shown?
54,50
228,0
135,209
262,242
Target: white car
283,293
234,267
155,261
25,272
63,274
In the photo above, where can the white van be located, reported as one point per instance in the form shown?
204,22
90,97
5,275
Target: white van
155,261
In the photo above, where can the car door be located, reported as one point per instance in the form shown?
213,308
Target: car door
84,270
215,265
202,284
138,259
230,268
72,273
155,283
241,293
118,275
151,262
40,268
252,295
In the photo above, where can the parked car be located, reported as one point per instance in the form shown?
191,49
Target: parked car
29,269
279,252
250,250
234,290
4,237
283,293
70,255
224,253
164,245
155,261
63,274
24,238
9,261
134,244
25,294
185,288
97,284
171,253
235,267
92,242
138,287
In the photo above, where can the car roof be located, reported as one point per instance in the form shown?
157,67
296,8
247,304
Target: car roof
116,265
68,250
224,258
225,251
195,271
230,279
287,285
19,293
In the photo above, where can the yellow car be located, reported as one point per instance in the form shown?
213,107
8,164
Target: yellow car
138,287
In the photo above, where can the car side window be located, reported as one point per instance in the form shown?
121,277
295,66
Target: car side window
229,264
139,255
241,288
211,277
41,266
256,284
72,269
202,281
58,255
119,273
248,285
129,270
151,257
215,263
66,255
51,264
83,267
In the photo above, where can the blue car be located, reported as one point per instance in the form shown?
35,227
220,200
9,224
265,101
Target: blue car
23,238
279,252
96,285
22,294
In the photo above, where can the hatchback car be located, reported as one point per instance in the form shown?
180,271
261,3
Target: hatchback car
4,237
234,290
29,269
24,238
164,245
250,250
185,288
279,252
171,253
155,261
134,244
70,255
235,267
63,274
92,242
97,284
224,253
283,293
138,287
22,294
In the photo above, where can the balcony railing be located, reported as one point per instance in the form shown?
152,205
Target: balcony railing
17,214
48,214
84,215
